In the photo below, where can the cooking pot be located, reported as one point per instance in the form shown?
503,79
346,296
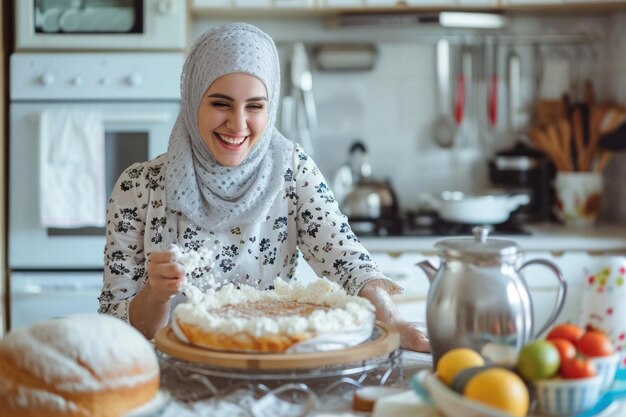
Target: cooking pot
455,206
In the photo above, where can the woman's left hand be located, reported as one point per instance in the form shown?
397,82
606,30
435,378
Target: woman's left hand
413,335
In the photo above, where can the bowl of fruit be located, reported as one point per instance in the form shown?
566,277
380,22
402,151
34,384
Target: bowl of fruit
463,384
569,369
564,374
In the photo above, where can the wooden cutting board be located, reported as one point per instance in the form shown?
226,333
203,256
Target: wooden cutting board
387,341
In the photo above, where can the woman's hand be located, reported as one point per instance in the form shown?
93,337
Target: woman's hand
150,309
165,276
413,335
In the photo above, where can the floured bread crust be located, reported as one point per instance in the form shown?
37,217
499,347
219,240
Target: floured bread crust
95,366
248,319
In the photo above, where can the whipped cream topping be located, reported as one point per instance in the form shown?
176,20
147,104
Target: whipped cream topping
196,260
192,259
345,312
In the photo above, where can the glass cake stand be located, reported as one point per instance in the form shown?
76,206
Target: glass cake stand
191,374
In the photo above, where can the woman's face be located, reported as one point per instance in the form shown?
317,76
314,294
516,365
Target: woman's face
232,116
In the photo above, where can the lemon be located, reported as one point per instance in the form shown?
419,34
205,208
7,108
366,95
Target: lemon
501,389
456,360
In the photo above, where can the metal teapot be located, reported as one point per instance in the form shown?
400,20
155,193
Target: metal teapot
478,297
368,198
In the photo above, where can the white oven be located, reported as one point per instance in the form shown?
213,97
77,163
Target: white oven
100,24
138,97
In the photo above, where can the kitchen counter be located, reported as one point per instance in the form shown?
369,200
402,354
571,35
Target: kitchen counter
544,237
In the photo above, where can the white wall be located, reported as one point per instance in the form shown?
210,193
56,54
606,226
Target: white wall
392,107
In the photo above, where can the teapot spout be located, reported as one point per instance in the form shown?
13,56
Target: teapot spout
428,269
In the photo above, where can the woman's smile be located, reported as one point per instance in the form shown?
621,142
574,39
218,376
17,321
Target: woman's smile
231,142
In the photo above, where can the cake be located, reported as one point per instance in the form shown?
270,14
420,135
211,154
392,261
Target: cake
90,365
248,319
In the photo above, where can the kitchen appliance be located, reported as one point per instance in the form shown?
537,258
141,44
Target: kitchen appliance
100,24
523,170
478,297
139,99
36,296
371,204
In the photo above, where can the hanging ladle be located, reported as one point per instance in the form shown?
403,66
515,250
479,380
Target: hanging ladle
444,128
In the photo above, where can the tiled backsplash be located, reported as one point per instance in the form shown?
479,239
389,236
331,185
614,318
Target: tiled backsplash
392,107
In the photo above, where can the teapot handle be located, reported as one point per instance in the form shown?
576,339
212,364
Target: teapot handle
560,300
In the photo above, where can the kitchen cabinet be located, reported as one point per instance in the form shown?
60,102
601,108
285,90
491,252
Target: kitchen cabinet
324,7
199,5
573,251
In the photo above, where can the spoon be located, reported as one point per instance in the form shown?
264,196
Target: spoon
444,128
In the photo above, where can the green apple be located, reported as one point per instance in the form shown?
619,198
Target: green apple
538,360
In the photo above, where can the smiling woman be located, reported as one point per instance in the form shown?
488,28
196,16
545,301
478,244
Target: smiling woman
232,182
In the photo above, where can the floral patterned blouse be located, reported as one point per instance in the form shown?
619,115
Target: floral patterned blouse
304,219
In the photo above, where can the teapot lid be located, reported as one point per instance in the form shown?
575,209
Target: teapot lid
478,246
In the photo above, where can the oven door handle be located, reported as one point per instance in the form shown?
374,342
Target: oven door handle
35,289
125,118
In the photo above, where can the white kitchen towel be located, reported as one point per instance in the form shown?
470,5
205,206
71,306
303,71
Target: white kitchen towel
71,168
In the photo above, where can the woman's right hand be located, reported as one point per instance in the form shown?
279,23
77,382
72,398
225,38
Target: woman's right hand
165,275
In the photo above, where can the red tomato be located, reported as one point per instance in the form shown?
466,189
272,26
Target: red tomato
574,368
565,331
566,348
594,344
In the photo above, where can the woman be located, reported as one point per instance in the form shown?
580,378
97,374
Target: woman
231,179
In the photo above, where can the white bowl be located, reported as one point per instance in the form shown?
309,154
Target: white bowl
449,402
606,366
567,396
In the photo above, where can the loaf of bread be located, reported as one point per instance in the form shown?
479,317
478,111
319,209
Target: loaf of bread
91,365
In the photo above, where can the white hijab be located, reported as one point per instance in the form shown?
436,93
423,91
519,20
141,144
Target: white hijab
211,195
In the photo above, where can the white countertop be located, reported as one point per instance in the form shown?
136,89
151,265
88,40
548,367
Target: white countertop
544,237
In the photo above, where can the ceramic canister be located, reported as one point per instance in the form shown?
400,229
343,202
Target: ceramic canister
604,300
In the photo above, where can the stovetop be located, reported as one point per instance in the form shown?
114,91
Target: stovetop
424,225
